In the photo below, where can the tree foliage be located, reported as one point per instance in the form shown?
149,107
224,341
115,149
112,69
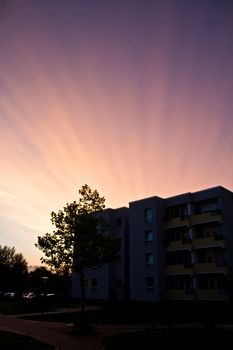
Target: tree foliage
13,269
80,240
53,284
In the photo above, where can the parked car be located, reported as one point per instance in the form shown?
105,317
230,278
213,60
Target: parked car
51,295
29,295
9,295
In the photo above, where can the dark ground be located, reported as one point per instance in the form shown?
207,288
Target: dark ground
9,340
179,338
167,325
207,314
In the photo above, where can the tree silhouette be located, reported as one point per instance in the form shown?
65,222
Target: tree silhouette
80,240
13,269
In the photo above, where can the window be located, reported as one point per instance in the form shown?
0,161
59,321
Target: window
148,215
184,283
180,211
178,258
118,222
149,283
209,230
148,236
208,283
178,234
94,283
206,206
150,259
119,282
86,285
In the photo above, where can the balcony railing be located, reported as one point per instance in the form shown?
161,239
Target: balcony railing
211,294
178,245
208,242
177,222
210,267
179,269
180,294
206,217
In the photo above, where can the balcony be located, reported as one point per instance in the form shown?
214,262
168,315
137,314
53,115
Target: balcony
208,242
210,267
178,245
206,217
180,294
179,269
211,294
176,222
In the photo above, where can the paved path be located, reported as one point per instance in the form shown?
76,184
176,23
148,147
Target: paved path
58,334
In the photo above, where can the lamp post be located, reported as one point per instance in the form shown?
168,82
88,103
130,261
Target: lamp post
44,281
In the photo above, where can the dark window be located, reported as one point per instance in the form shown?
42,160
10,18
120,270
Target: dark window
208,283
94,283
178,234
150,259
148,236
208,230
119,282
119,222
85,283
148,215
207,206
149,283
178,258
203,283
180,211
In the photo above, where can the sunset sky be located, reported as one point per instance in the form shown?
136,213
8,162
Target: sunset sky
132,97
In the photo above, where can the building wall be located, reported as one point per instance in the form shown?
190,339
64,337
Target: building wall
145,277
110,280
99,291
208,223
171,249
227,212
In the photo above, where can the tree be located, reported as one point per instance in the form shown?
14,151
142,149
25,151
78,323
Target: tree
13,269
80,240
42,281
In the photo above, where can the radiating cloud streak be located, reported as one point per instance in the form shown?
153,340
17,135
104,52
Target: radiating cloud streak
134,103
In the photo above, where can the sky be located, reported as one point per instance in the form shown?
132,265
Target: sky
132,97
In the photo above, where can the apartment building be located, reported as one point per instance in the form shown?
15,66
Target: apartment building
187,252
112,279
177,248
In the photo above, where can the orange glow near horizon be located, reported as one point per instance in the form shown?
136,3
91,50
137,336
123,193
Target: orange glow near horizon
93,112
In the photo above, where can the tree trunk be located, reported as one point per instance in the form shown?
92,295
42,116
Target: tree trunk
66,283
82,283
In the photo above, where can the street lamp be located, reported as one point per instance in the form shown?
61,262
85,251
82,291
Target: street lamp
44,281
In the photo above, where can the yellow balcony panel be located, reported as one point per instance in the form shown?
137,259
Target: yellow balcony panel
176,222
178,269
211,294
179,294
205,217
178,245
210,268
208,242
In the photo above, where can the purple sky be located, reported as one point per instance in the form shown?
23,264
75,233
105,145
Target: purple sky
134,98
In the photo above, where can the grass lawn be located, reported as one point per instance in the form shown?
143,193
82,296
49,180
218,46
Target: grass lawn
181,339
10,340
23,307
14,307
149,314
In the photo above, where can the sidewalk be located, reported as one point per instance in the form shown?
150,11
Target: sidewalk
58,334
